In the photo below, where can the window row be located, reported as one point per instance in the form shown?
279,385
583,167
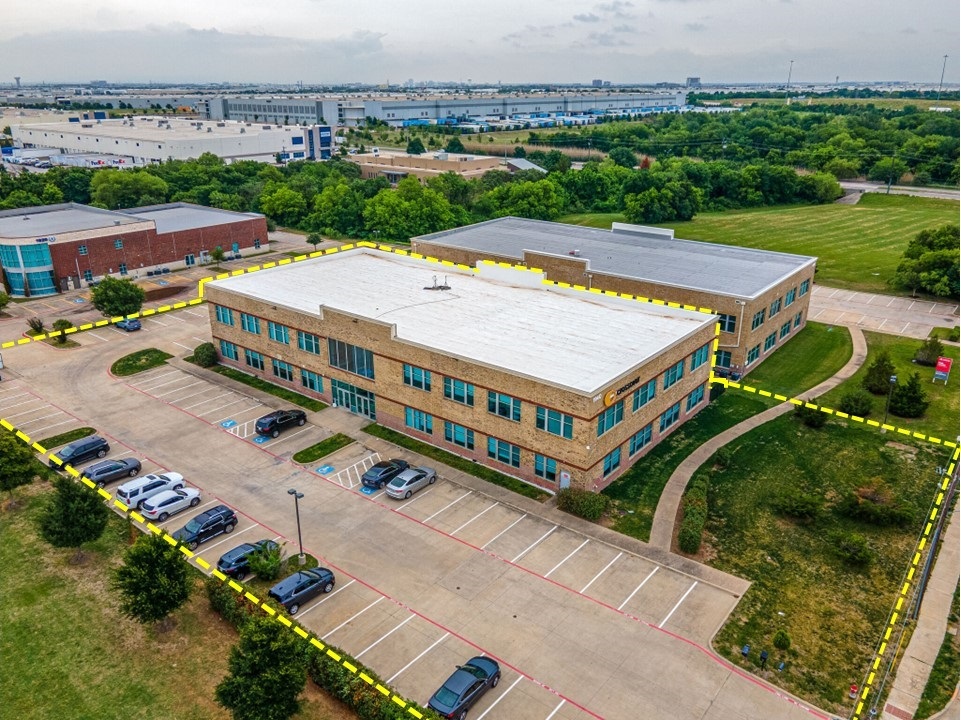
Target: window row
280,369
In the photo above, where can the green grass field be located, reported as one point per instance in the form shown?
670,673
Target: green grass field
880,103
858,246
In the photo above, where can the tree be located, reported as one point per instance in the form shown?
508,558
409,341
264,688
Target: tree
454,145
116,297
62,326
929,352
623,156
415,146
284,205
115,189
909,400
205,355
4,300
267,673
878,378
315,239
18,466
930,262
153,580
887,170
218,255
72,516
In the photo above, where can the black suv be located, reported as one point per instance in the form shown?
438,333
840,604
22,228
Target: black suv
80,450
206,525
103,472
294,591
383,472
236,563
279,420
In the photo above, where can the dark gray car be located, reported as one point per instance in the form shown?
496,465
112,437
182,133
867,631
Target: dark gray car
109,470
294,591
80,450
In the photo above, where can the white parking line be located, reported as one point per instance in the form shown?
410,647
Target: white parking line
572,553
199,392
490,507
230,537
484,546
219,407
172,316
42,417
191,312
151,319
215,397
287,436
534,544
683,597
198,339
554,711
416,497
157,376
604,570
93,334
502,696
352,617
32,399
649,575
180,345
342,587
151,388
47,427
384,637
177,390
26,412
434,644
469,492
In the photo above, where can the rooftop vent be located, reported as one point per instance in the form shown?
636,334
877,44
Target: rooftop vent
435,286
575,253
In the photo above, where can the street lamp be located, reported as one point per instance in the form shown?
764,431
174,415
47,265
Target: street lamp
300,541
892,382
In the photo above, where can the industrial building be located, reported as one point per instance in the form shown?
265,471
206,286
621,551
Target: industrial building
762,297
48,249
147,140
552,385
395,166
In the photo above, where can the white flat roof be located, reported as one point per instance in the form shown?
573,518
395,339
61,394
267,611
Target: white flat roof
499,317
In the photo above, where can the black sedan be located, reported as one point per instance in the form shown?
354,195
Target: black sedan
465,687
295,590
103,472
276,422
383,472
236,563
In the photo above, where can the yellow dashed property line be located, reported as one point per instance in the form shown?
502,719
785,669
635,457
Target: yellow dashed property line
236,587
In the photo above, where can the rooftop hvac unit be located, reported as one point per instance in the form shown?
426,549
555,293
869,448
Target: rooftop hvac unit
575,253
221,124
210,130
243,130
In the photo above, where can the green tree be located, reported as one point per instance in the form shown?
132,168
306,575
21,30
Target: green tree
18,466
4,300
930,262
52,195
315,239
415,146
887,170
842,169
623,156
72,516
408,211
115,189
116,297
267,673
908,400
266,563
153,580
62,326
218,255
284,205
540,200
338,210
454,145
878,378
929,352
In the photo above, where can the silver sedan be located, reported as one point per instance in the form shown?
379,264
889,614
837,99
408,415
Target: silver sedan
410,481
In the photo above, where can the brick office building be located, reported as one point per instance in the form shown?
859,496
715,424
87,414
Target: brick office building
762,297
552,385
48,249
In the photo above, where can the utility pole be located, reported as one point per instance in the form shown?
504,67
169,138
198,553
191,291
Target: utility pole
943,66
788,91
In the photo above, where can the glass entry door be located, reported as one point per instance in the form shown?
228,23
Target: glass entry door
353,398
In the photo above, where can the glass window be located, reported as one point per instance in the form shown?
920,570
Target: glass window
504,452
351,358
88,275
805,286
419,420
728,322
308,342
254,359
225,315
458,435
459,391
82,249
785,330
545,467
417,377
283,370
610,417
670,416
554,422
504,405
118,243
311,381
673,374
758,319
723,358
644,394
700,357
789,296
797,319
228,350
695,397
257,243
250,323
612,461
775,308
278,332
123,268
769,341
753,354
641,439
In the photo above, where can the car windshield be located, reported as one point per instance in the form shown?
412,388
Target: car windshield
67,451
445,696
192,527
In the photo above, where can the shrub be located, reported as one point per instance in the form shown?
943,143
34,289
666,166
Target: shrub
232,606
857,402
205,355
909,400
723,457
582,503
695,508
874,503
852,548
266,563
782,641
795,503
36,324
62,326
4,300
878,379
810,416
929,352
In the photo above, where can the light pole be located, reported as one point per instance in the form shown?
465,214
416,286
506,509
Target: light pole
788,91
943,66
297,496
892,382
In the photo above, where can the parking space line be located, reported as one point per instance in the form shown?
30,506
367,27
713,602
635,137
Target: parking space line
219,407
25,412
434,644
152,388
32,399
181,345
199,392
484,546
352,617
501,697
416,497
554,711
47,427
157,321
649,575
233,415
93,334
288,436
384,637
30,422
230,537
572,553
678,604
606,567
469,492
178,389
191,312
159,376
342,587
215,397
194,337
490,507
534,544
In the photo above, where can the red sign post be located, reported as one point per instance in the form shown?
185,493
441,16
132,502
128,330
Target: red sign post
942,369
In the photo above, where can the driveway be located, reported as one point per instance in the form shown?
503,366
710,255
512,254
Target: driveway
882,313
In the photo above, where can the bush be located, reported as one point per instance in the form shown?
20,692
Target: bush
695,508
62,326
205,355
909,400
878,379
266,563
811,416
852,548
723,457
795,503
857,402
36,324
582,503
232,606
875,504
782,641
929,352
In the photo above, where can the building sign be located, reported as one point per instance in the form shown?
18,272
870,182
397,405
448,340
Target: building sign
50,239
942,369
611,396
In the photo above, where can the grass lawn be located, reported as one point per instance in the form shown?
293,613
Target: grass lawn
636,492
139,361
859,246
880,103
323,448
283,393
835,614
67,437
941,417
809,358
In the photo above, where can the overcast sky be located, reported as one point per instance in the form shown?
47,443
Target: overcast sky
485,41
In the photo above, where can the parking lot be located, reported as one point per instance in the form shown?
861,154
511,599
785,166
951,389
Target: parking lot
581,628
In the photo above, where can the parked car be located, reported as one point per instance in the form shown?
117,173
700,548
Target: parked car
410,481
103,472
164,504
129,325
206,525
294,591
465,687
276,422
383,472
236,563
135,492
80,450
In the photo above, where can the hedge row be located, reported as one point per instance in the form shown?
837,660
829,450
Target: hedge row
694,504
583,503
328,668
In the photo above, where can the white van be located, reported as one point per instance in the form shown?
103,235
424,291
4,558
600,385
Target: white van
133,493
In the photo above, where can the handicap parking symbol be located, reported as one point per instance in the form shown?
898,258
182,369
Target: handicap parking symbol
261,439
367,490
227,423
326,469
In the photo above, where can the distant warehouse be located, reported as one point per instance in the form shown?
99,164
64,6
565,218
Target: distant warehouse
762,297
552,385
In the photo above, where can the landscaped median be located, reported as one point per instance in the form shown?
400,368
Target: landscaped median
139,361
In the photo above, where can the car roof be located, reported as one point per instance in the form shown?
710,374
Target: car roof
160,497
238,551
214,511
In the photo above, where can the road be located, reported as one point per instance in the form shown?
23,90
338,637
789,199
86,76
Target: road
919,191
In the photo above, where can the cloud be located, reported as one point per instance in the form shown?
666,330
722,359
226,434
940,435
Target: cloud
606,40
625,28
617,8
587,18
695,27
909,31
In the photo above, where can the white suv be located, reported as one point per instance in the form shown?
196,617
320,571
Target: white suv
133,493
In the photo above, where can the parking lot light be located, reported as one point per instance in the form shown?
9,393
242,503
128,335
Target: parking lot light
301,559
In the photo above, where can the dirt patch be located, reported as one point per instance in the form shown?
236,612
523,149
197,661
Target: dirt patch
912,451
